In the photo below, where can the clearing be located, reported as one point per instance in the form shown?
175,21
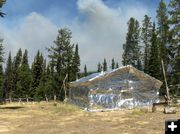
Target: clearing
59,118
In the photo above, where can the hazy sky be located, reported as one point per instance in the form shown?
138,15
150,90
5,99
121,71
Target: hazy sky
98,26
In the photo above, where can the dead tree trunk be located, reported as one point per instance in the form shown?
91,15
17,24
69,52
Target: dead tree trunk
27,100
167,89
55,97
46,98
64,86
167,109
20,100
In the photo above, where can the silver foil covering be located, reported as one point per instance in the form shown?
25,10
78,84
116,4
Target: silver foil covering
122,87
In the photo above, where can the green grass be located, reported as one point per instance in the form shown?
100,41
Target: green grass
138,112
65,109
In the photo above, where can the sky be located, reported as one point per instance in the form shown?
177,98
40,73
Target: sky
98,26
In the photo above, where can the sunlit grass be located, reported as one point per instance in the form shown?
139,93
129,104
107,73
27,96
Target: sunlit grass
58,117
138,112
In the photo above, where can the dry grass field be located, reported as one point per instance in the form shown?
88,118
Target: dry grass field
48,118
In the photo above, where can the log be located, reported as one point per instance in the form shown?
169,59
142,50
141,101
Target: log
170,110
154,107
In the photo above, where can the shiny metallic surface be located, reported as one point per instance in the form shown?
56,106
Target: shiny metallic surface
122,87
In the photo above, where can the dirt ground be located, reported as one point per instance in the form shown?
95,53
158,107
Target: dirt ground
58,118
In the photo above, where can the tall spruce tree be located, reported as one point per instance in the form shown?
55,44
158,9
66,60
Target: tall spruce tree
17,59
16,65
8,81
177,64
75,64
176,76
85,70
68,68
174,22
146,38
132,53
1,51
174,49
1,67
48,71
163,31
1,81
113,64
24,78
47,85
37,69
62,54
42,90
99,67
154,61
137,52
117,65
104,65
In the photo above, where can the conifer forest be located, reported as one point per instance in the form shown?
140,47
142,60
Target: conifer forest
147,43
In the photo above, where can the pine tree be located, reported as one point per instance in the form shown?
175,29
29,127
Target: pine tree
2,2
137,53
16,65
75,64
62,54
146,38
131,48
176,76
17,59
177,62
25,58
24,81
85,70
42,90
1,81
47,83
104,65
117,65
68,68
37,68
174,48
163,31
1,51
99,67
8,81
48,71
154,61
113,64
1,67
174,22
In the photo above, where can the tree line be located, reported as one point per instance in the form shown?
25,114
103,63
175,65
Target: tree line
144,49
101,67
152,42
42,79
104,66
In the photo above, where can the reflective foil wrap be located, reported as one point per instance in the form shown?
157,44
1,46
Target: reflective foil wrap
122,87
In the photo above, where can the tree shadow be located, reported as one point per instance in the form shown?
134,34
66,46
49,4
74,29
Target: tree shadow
12,107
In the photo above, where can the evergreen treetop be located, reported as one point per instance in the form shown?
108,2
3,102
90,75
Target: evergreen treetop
104,65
